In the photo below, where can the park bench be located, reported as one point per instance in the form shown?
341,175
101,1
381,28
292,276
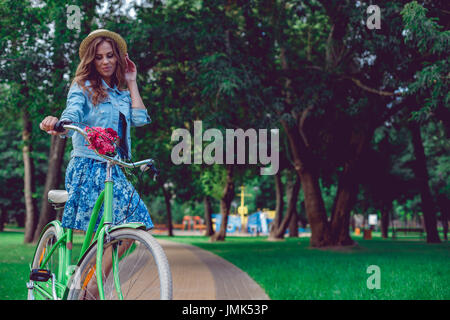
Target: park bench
406,231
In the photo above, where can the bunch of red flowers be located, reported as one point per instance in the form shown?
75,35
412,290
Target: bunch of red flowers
103,140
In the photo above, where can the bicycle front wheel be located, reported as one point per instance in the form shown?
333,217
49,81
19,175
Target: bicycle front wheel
134,267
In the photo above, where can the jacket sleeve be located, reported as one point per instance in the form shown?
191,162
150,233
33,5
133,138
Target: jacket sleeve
139,117
76,107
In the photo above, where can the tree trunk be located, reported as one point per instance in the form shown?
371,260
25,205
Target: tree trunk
278,230
302,215
348,189
352,221
340,219
279,205
225,203
208,211
31,211
20,219
52,181
420,169
293,224
305,168
444,206
2,218
167,197
292,197
315,209
386,208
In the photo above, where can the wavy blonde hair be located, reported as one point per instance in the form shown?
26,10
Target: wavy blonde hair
86,71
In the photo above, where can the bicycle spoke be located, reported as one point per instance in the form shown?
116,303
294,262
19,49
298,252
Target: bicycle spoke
137,273
149,286
132,272
142,268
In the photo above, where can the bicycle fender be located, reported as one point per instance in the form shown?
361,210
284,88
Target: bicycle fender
57,225
132,225
59,231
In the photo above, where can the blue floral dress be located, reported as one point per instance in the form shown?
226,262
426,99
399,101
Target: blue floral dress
85,180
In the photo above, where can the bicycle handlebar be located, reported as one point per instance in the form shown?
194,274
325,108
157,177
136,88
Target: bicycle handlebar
62,125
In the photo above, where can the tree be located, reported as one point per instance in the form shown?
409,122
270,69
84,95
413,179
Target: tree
38,63
25,70
284,214
60,67
431,91
281,222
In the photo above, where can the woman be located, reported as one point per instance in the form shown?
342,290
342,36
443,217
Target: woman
96,99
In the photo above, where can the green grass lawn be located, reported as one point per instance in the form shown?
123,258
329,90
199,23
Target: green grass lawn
409,269
15,260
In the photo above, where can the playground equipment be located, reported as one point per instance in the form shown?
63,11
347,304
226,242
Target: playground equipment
194,222
242,209
234,222
258,223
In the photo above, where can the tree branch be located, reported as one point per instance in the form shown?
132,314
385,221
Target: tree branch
372,90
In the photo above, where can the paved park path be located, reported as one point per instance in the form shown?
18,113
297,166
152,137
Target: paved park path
198,274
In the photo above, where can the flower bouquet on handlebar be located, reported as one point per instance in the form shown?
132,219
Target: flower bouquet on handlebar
103,140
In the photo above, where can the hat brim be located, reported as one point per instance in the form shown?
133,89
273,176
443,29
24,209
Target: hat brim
122,45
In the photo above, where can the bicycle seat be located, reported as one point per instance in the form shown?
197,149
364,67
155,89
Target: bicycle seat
58,196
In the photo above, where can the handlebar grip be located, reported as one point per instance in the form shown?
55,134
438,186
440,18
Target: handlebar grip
59,126
155,171
147,166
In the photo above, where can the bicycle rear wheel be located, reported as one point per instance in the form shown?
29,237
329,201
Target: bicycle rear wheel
142,270
43,290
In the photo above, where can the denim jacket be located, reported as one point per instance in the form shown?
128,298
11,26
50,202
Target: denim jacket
106,115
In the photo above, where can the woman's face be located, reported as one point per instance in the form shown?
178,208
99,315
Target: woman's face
105,60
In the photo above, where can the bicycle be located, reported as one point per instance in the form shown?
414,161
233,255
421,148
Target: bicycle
116,262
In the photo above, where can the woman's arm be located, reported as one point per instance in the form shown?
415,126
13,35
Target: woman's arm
74,112
48,124
139,115
136,100
130,78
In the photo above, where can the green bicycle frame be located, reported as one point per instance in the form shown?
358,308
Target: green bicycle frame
107,215
65,236
65,240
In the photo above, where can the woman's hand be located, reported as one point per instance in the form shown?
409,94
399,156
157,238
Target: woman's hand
130,70
48,124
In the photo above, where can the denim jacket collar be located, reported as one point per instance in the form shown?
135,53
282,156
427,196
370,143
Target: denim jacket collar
111,89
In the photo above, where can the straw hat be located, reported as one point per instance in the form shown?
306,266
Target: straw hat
103,33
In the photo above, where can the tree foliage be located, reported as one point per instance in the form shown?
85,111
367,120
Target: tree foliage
342,95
